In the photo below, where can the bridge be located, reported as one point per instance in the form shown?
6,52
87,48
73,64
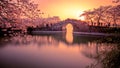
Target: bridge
78,26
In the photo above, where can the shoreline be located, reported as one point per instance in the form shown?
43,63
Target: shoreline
75,33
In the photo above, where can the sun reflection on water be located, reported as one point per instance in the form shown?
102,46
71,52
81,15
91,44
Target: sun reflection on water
69,33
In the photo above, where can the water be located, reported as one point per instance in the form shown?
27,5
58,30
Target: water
54,51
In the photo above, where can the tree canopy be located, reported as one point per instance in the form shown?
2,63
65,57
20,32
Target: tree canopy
12,11
104,15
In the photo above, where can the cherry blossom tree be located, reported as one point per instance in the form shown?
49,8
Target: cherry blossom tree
89,16
12,11
104,14
116,1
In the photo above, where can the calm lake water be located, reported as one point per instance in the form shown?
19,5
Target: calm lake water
56,51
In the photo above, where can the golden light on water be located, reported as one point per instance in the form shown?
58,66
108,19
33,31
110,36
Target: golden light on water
69,33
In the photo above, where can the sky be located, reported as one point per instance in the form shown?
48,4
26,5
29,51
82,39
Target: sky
69,8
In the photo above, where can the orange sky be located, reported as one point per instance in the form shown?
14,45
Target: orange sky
69,8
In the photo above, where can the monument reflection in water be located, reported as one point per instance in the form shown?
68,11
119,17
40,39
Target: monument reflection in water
55,51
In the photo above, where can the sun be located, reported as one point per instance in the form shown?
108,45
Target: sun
80,17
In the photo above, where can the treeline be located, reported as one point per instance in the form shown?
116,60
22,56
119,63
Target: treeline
104,15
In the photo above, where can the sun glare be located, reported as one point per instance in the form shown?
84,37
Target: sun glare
80,17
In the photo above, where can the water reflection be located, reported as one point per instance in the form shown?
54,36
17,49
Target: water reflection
69,37
45,51
69,33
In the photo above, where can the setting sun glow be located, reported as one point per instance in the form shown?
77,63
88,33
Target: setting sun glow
69,8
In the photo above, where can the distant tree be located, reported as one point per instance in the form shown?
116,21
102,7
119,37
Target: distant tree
103,14
89,16
116,1
107,18
96,15
115,14
99,14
